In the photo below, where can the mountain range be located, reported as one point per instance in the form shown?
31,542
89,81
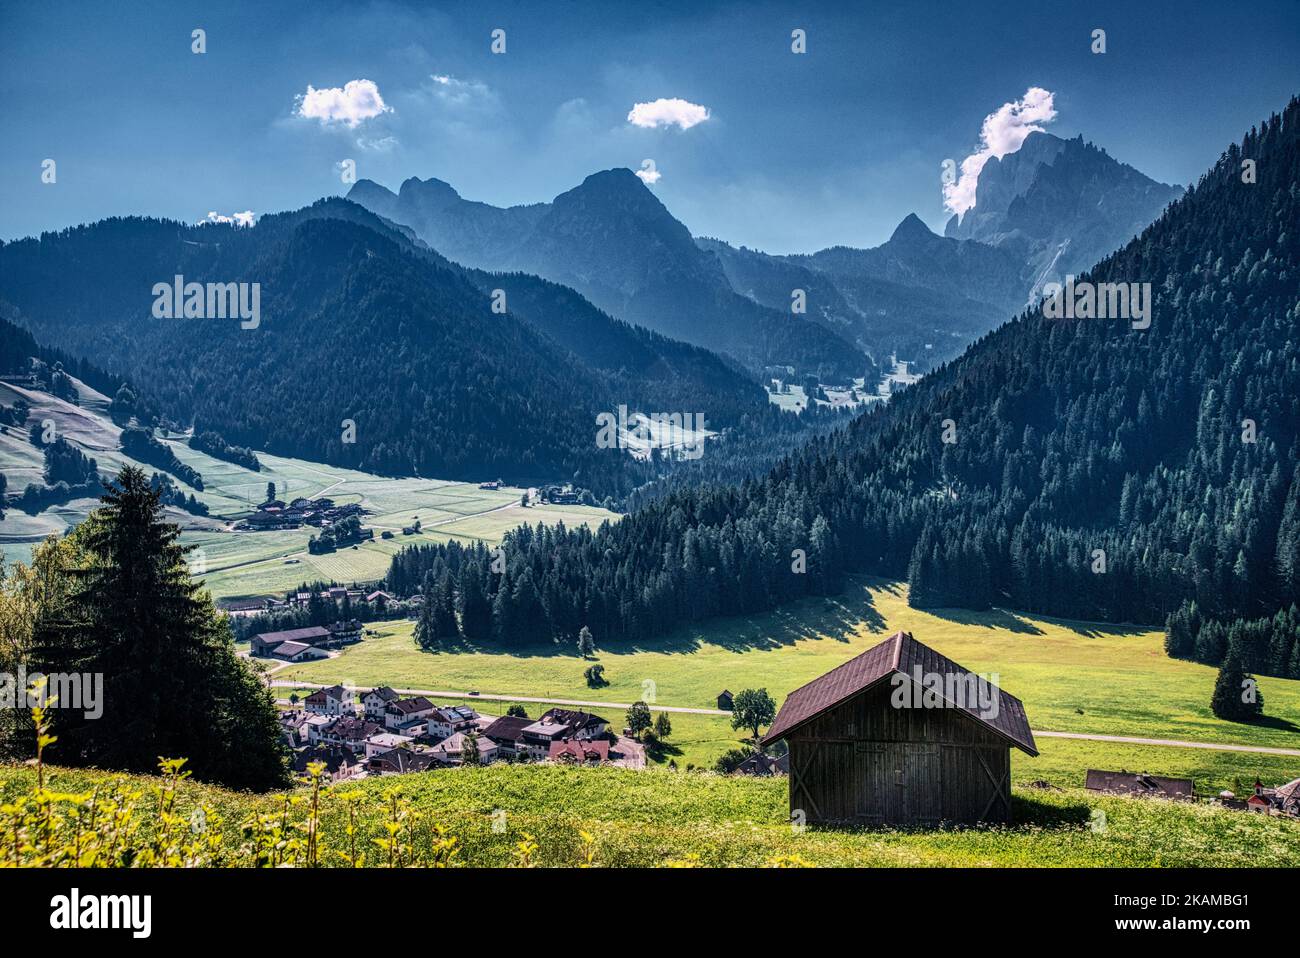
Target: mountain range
379,311
1055,206
611,239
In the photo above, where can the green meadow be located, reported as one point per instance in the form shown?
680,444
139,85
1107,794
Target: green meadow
661,817
236,564
1072,677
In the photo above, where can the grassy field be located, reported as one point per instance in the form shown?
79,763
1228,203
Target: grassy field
1072,677
660,817
233,564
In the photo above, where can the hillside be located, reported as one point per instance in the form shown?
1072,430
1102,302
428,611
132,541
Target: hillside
233,563
360,323
657,818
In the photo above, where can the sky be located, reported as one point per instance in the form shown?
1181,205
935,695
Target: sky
746,140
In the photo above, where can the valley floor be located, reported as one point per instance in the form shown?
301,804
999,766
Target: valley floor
233,564
1074,677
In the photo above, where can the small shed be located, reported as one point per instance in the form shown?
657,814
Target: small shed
725,701
868,748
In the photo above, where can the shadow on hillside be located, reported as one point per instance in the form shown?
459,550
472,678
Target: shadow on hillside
992,619
830,618
1025,813
1275,722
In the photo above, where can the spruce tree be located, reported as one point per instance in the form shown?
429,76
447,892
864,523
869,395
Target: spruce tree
172,684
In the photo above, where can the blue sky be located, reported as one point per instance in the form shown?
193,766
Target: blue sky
799,152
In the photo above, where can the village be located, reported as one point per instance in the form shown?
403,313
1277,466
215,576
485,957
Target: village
381,732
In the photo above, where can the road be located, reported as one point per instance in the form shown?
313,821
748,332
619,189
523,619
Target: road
1038,733
1216,746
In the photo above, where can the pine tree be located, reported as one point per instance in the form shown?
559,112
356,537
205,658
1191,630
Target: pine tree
172,684
1236,695
445,610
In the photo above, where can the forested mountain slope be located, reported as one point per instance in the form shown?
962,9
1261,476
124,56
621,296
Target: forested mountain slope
360,323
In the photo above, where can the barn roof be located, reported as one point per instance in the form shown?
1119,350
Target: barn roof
900,653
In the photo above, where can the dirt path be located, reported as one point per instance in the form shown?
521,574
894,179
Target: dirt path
1179,743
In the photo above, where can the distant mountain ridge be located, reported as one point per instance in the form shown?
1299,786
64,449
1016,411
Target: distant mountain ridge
611,239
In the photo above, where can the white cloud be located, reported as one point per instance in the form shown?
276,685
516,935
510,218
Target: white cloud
661,112
245,218
648,177
1003,132
351,104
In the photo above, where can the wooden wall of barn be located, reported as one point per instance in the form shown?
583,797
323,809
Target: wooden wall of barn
866,762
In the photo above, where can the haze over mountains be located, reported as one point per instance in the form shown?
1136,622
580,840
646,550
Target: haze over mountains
613,241
1055,206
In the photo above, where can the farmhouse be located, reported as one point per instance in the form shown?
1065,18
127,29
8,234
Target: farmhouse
725,700
451,751
448,720
298,652
350,732
408,714
386,742
507,733
339,762
265,643
582,725
862,754
399,761
1141,785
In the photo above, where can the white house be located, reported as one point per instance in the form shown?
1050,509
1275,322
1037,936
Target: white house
450,750
314,726
335,700
407,713
449,720
376,700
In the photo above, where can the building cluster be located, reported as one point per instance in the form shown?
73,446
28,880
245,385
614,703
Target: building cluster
1282,800
304,645
381,732
274,514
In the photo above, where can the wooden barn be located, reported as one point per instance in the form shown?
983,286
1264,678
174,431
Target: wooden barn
867,747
